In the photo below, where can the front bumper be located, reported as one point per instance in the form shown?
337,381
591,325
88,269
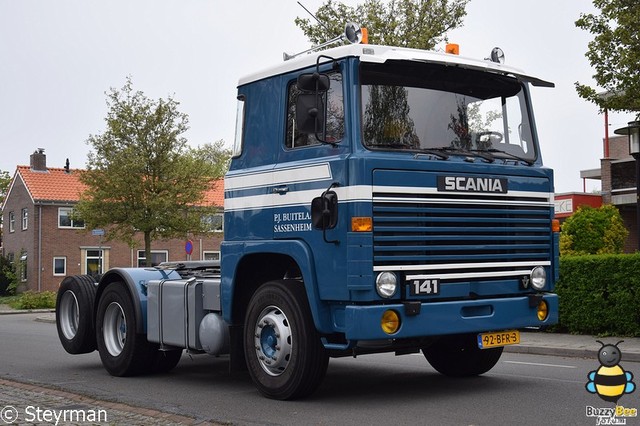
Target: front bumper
362,322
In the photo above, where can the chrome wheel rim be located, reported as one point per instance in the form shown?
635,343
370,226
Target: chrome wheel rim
114,329
273,341
69,315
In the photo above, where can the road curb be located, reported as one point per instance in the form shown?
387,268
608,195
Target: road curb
50,319
27,311
566,352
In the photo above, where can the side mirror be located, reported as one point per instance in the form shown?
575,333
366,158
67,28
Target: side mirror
310,114
324,211
314,82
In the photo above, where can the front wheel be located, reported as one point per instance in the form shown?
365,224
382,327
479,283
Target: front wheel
460,356
285,356
123,352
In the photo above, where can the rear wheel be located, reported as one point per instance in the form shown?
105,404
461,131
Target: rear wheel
123,352
284,354
74,314
460,356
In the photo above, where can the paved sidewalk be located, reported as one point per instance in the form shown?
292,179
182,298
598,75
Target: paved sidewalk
571,345
28,404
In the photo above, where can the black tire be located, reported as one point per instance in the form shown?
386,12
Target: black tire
460,356
123,352
74,314
285,357
166,360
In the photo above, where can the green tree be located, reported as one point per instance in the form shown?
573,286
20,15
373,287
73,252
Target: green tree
217,155
5,180
593,231
141,176
8,282
418,24
614,53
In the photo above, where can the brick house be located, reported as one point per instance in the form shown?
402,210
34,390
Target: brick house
46,244
617,174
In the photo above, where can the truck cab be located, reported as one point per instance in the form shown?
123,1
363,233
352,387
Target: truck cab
379,199
402,189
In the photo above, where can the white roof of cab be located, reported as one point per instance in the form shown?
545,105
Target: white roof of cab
381,54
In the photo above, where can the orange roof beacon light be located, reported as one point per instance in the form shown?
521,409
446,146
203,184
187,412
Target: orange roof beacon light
452,48
365,36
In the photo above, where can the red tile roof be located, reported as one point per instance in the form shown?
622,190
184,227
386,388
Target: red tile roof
58,185
53,184
215,195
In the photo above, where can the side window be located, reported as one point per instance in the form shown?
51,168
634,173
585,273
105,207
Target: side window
25,219
157,257
334,123
214,222
237,143
66,220
210,255
60,265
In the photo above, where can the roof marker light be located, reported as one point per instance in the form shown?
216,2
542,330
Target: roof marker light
452,48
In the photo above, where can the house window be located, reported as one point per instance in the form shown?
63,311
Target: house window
12,222
94,262
25,219
23,267
157,257
214,222
210,255
66,220
60,266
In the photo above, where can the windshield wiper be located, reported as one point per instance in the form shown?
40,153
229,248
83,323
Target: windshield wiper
438,152
483,154
510,155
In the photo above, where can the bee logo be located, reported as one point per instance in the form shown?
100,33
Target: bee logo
610,381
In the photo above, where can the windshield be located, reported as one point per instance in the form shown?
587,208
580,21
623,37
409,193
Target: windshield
427,107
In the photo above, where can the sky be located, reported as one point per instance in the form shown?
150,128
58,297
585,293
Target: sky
59,58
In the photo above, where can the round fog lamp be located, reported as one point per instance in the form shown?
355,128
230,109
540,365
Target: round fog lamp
390,322
543,310
386,284
538,278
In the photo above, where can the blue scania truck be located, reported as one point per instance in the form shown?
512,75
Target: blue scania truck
380,199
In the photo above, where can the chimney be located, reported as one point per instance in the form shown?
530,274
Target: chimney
39,160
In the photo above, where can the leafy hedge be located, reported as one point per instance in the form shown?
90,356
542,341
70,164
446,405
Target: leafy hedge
600,294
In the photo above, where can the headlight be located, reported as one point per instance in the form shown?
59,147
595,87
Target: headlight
538,278
386,284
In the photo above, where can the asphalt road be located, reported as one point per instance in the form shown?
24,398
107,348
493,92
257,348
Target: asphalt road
373,390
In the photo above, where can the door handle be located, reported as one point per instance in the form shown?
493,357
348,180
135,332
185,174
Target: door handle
280,190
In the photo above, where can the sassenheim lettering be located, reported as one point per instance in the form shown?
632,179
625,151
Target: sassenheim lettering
472,184
292,227
40,415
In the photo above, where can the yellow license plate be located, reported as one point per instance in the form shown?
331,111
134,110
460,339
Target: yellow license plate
497,339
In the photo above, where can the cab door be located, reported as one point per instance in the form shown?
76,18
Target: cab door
308,164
